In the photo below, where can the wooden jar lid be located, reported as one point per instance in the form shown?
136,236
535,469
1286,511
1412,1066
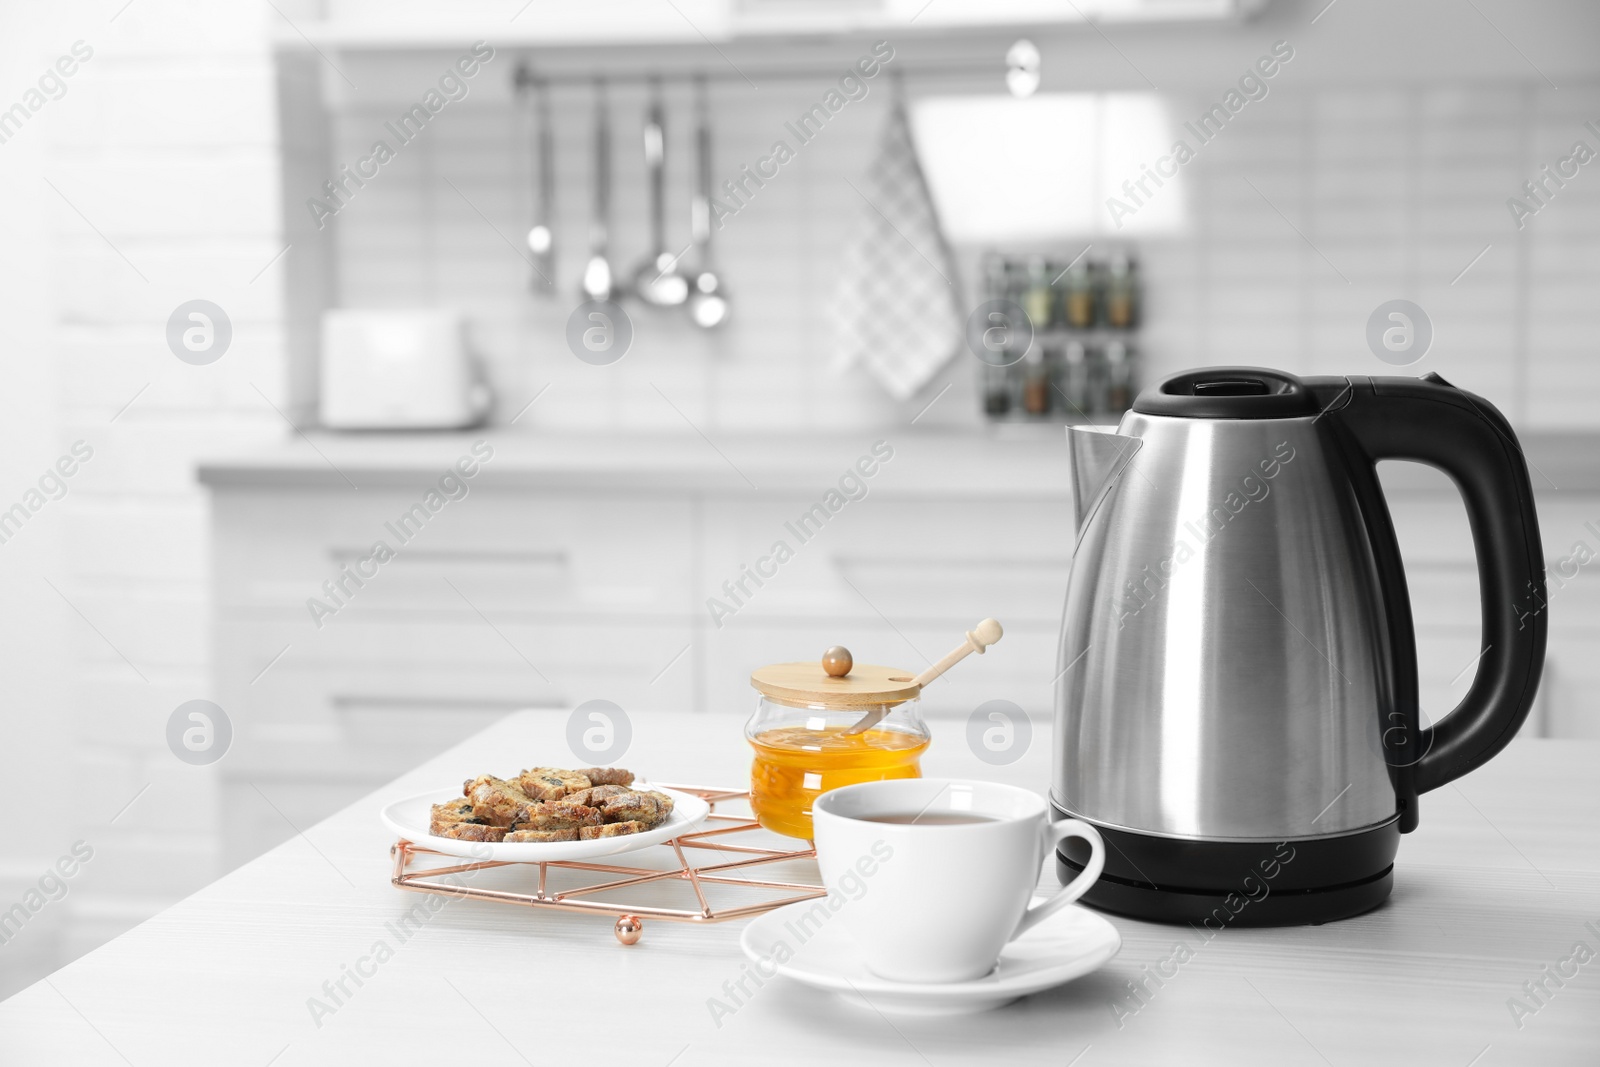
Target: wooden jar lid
808,683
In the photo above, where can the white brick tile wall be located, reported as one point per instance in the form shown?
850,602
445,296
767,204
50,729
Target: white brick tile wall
95,285
158,627
154,451
163,153
1401,189
157,105
146,542
1398,187
103,368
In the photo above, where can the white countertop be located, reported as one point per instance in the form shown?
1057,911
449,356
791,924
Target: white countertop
1011,461
1031,464
1499,882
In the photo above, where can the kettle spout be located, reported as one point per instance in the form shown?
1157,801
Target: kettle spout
1098,460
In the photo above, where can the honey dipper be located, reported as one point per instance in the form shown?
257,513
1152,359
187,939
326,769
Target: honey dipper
979,638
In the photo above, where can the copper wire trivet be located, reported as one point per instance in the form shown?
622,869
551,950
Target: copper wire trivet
630,916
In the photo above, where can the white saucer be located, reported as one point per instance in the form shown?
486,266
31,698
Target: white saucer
410,818
1067,945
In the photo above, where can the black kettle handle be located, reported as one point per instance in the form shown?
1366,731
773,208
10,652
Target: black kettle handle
1431,421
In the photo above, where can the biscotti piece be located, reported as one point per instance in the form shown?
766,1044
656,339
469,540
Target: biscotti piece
607,775
472,831
557,815
523,836
448,814
498,802
635,807
551,783
611,829
594,795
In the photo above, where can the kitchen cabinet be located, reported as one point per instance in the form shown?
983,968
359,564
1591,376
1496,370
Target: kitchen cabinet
498,602
577,570
556,581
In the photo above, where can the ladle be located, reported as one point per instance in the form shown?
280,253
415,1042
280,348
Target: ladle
598,284
708,297
658,281
541,237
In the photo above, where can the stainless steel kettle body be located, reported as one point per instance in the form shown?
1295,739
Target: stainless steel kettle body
1227,629
1237,678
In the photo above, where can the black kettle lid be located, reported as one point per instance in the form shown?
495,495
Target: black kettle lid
1229,393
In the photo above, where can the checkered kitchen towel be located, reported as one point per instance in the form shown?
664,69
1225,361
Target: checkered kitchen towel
896,309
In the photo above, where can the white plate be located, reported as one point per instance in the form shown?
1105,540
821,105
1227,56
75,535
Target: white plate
1067,945
411,818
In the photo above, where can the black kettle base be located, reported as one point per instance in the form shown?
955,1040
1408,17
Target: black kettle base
1217,884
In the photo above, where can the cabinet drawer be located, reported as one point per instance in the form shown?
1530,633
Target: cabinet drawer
344,682
1565,521
1430,525
1444,596
956,562
498,550
1572,677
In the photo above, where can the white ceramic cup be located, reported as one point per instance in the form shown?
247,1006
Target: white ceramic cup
933,901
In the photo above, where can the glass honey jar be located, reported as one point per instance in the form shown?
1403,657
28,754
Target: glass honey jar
816,730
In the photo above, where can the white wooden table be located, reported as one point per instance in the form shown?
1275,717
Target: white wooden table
1498,883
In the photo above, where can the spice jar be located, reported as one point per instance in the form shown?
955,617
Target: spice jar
1036,381
1121,293
1074,373
1038,298
1119,377
808,735
1079,296
1098,391
996,391
995,363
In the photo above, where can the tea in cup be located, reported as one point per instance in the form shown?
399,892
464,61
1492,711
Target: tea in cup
948,868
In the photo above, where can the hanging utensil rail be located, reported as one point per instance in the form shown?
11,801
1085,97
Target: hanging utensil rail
527,74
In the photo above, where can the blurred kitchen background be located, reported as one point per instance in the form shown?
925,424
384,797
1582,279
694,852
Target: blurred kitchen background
176,161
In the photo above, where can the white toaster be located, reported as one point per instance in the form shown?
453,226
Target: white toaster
398,370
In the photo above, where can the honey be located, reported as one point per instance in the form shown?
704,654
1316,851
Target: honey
795,764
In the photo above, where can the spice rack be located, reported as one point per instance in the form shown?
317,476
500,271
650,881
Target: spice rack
1073,353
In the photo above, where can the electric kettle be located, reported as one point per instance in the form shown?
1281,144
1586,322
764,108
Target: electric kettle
1236,703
